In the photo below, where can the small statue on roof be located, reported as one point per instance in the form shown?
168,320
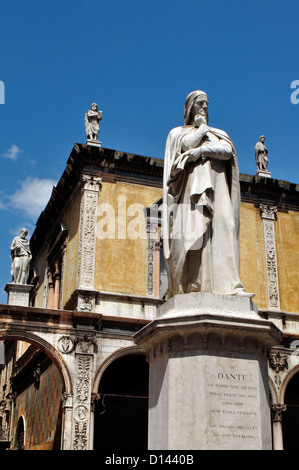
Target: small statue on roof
92,128
261,154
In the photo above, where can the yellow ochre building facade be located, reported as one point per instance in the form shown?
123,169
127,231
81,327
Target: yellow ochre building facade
98,277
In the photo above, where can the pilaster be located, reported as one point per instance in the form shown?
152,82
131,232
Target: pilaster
268,215
87,241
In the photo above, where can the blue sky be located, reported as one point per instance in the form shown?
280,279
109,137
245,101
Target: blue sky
138,60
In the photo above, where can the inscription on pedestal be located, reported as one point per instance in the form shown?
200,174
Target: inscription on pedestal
232,404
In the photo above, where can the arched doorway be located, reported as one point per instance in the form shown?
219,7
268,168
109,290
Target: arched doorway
121,413
20,435
290,417
32,380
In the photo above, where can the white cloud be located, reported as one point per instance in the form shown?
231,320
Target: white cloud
32,197
13,152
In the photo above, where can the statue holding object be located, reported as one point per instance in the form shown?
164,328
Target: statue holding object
92,128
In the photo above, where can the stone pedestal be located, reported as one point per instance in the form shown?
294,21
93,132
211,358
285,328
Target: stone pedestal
263,173
94,143
18,294
208,385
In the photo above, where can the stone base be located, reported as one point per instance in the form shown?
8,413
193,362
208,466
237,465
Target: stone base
94,143
18,294
208,385
263,174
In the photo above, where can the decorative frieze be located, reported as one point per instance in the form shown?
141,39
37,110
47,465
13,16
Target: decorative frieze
81,437
268,214
87,236
85,347
151,229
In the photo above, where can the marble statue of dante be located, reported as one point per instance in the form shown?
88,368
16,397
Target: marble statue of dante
261,154
201,206
92,118
21,256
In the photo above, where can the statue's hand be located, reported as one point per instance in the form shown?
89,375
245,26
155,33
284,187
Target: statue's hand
200,121
194,154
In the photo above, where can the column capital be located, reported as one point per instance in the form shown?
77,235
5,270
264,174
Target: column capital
276,411
268,212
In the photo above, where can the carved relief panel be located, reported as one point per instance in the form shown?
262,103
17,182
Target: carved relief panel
268,214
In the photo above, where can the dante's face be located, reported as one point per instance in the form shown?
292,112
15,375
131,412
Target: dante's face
200,106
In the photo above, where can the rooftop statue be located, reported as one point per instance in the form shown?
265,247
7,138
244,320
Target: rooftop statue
201,206
92,118
21,256
261,154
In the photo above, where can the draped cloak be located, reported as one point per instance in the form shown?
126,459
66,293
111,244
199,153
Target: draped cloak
92,126
21,256
201,215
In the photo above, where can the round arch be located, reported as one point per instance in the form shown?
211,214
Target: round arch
285,383
290,417
121,382
116,355
47,348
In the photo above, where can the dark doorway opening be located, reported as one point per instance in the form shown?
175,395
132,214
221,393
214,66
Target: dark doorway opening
121,413
290,417
20,443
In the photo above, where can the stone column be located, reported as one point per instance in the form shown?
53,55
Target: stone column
50,300
56,287
277,410
94,398
67,408
208,382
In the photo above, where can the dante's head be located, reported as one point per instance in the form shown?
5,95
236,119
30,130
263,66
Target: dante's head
262,138
94,107
196,103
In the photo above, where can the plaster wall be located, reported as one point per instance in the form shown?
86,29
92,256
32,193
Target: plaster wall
287,242
121,254
252,255
71,220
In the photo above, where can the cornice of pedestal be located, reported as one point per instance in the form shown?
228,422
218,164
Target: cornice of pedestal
204,325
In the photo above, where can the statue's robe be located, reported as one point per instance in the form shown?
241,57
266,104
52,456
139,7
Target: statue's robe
21,257
201,215
92,126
